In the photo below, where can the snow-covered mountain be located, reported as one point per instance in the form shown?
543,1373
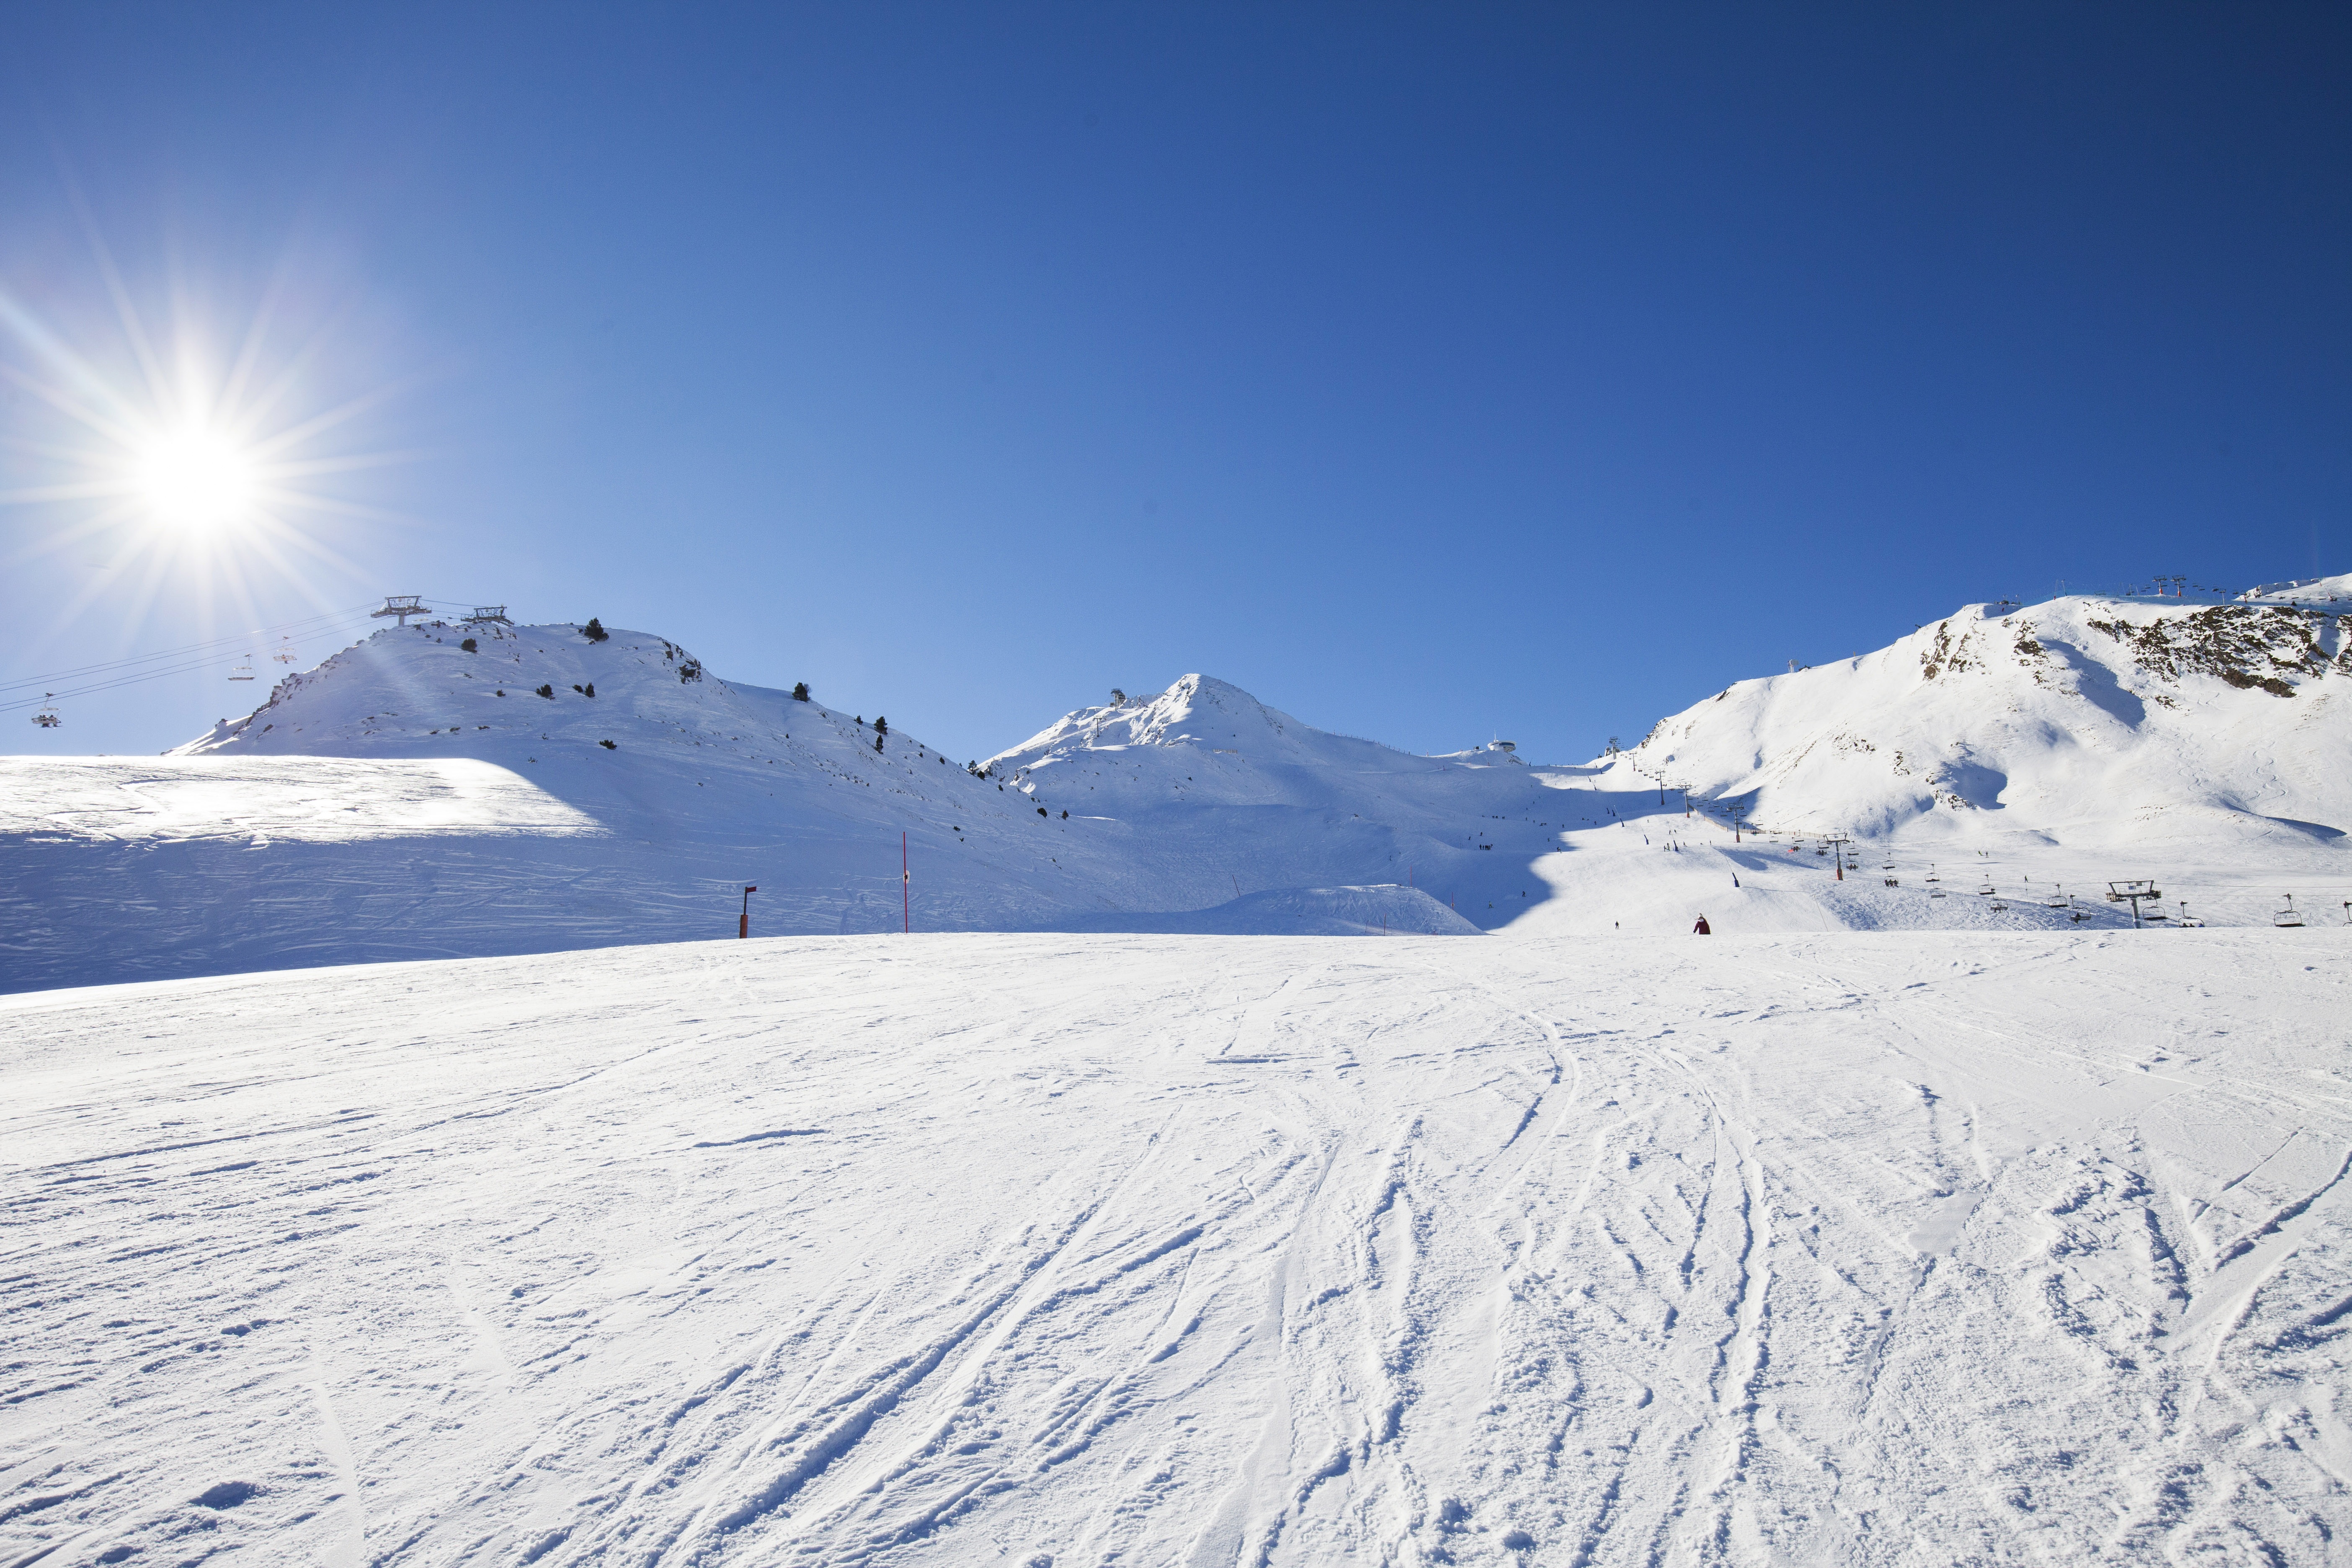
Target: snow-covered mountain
413,797
2316,593
2082,723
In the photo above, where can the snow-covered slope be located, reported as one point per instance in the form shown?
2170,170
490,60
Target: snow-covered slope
409,798
2320,591
1168,1251
2081,724
412,799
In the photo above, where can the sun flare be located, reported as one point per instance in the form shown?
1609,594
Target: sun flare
179,447
196,479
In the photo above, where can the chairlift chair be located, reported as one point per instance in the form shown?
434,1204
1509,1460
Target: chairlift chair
285,654
2286,916
244,671
47,716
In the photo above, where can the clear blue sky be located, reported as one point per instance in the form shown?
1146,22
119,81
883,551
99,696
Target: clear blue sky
1433,372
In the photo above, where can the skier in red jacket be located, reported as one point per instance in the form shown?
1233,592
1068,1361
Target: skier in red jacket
1702,928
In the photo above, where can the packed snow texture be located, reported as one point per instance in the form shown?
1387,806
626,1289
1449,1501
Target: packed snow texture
1024,1249
412,799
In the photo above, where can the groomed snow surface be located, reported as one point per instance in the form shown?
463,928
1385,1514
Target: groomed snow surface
1847,1248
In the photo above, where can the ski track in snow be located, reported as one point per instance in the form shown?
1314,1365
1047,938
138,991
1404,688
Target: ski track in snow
1204,1251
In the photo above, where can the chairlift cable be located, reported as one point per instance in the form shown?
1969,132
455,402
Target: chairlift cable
208,661
308,624
213,662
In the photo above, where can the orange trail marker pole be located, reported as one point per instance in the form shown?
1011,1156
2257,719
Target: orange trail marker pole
743,926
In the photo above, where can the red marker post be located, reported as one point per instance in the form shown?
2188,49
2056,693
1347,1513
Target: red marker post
743,926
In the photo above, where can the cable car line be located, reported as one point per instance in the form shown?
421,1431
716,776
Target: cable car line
112,681
210,662
306,624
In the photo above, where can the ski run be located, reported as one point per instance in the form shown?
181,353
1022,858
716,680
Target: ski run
1191,1250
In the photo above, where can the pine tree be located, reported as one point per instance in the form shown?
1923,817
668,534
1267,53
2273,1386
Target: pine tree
800,690
881,725
594,630
470,645
548,692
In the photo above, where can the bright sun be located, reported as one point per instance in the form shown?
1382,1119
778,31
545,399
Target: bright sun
196,479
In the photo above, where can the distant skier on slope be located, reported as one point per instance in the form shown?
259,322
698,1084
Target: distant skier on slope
1735,879
1703,929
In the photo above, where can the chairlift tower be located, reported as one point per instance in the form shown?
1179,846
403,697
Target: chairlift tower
2132,892
403,605
488,616
1837,845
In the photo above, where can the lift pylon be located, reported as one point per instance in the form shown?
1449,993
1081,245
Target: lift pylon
401,604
